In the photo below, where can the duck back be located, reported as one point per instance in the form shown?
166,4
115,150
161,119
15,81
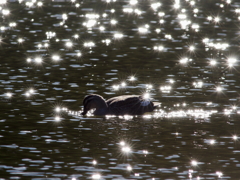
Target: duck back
129,105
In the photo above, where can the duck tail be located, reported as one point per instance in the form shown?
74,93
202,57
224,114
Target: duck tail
156,104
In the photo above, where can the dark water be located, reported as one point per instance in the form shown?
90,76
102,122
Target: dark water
185,54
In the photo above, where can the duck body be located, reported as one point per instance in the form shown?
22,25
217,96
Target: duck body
119,105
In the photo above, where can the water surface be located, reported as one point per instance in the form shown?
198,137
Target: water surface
185,54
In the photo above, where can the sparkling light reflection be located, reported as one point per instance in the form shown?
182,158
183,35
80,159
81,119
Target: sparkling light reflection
133,2
165,89
126,149
9,95
118,35
122,143
106,41
132,78
197,113
191,48
3,1
155,6
29,92
115,87
219,174
76,36
184,60
129,168
219,89
5,12
143,30
55,57
113,22
57,118
89,44
231,61
50,34
213,62
158,48
171,81
96,176
234,137
39,4
198,84
212,141
90,23
123,84
94,162
64,17
194,163
58,109
12,24
69,44
20,40
146,96
176,5
38,60
29,60
145,152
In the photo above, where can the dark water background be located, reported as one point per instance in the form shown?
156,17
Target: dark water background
193,135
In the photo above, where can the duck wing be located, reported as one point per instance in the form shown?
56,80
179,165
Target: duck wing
129,105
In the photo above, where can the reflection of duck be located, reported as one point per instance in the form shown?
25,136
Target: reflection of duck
120,105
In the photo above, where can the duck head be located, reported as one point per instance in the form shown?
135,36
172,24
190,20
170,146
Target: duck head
96,102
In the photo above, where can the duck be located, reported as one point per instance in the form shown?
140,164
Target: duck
119,105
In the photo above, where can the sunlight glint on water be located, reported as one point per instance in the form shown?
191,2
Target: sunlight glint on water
182,54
